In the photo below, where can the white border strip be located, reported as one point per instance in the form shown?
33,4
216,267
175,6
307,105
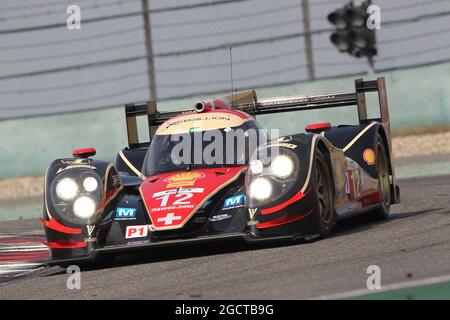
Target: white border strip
386,288
358,136
130,165
24,249
311,162
19,265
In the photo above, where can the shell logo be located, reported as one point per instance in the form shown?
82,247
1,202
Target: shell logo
369,156
185,179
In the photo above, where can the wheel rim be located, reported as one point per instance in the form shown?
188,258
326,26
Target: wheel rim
383,176
323,192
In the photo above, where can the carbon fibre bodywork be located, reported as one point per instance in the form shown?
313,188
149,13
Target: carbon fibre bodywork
137,211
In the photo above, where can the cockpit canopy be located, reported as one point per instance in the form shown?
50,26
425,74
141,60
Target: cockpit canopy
203,140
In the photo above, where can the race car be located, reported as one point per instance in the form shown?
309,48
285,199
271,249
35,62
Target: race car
179,189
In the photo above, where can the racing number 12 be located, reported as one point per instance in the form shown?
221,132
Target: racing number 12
182,194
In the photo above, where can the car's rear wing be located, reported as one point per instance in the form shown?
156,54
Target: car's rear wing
247,102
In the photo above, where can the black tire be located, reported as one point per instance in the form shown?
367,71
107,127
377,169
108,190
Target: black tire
323,185
384,184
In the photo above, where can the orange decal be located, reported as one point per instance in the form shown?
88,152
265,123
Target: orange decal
185,179
369,156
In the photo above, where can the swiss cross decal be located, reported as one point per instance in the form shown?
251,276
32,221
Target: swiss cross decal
169,219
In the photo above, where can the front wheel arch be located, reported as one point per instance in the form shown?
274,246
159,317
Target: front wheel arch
324,224
321,146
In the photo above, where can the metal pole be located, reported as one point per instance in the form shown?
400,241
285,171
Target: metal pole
370,58
149,49
308,40
371,65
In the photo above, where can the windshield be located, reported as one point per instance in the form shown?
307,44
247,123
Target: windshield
203,149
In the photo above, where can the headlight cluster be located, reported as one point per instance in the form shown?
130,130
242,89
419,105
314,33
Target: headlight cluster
77,194
270,177
282,166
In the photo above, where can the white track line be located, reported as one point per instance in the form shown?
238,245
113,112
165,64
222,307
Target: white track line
15,265
19,269
8,247
386,288
24,249
14,271
32,233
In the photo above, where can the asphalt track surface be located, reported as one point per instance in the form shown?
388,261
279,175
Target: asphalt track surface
414,244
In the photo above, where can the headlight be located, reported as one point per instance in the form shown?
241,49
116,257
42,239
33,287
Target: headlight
84,207
282,166
90,184
256,166
66,189
260,189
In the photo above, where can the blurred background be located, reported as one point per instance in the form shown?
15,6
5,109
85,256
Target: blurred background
63,89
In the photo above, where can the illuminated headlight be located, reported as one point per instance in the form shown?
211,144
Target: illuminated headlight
90,184
282,166
66,189
256,166
260,189
84,207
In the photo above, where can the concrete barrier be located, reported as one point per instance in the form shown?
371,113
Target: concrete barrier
418,97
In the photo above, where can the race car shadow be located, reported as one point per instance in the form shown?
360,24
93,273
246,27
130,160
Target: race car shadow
410,214
173,253
360,223
182,252
345,227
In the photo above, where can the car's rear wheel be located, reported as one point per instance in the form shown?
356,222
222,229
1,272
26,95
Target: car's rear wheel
324,194
384,184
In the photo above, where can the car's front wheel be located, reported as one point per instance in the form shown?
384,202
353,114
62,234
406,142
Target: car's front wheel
324,194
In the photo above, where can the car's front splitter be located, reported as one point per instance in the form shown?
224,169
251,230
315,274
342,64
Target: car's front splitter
137,247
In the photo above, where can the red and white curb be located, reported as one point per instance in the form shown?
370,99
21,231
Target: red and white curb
21,254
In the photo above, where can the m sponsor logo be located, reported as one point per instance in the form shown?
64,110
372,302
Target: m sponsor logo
234,202
133,232
125,213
